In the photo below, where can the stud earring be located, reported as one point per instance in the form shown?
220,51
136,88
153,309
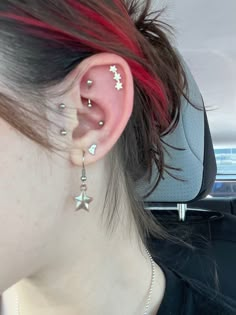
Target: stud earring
117,78
92,149
83,201
101,123
89,83
62,106
63,132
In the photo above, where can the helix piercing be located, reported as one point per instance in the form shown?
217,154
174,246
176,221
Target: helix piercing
117,78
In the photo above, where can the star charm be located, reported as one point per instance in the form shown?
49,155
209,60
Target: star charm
117,76
83,201
119,86
113,69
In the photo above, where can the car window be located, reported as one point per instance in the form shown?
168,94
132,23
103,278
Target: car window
225,184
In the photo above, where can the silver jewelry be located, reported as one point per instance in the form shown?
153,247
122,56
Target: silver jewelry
117,78
152,282
101,123
63,132
89,83
83,200
89,103
92,149
149,295
62,106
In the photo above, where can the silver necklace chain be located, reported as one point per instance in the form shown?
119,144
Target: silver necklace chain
148,299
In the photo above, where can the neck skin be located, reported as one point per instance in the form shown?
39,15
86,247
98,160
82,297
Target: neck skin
91,272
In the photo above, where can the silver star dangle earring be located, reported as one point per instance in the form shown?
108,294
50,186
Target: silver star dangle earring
83,200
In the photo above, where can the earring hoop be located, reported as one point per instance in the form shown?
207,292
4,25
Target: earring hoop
89,103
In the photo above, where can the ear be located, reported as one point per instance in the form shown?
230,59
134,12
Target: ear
111,95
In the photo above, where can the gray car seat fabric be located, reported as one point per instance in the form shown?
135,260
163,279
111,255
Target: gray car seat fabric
195,159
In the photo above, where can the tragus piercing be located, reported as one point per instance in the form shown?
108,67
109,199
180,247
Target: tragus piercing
101,123
117,77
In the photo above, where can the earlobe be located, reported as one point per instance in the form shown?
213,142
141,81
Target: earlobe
104,105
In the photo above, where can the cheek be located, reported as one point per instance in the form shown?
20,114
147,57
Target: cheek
29,210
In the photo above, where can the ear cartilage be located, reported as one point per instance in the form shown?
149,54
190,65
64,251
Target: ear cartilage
117,78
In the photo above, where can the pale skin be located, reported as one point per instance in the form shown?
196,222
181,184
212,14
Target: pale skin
62,262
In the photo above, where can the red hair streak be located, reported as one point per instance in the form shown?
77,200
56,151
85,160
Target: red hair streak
103,30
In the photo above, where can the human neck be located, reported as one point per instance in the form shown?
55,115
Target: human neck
95,275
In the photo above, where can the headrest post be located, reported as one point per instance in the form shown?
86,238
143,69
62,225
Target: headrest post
182,208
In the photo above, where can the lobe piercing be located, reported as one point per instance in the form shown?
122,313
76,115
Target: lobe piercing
83,200
92,149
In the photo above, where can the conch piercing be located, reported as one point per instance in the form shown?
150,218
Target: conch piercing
89,83
117,78
83,201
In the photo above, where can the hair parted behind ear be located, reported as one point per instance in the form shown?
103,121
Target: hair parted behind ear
41,42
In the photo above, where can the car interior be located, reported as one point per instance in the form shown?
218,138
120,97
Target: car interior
202,148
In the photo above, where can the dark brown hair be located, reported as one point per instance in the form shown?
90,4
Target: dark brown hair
41,42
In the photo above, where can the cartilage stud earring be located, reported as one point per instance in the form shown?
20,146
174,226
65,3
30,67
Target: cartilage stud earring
89,83
117,77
